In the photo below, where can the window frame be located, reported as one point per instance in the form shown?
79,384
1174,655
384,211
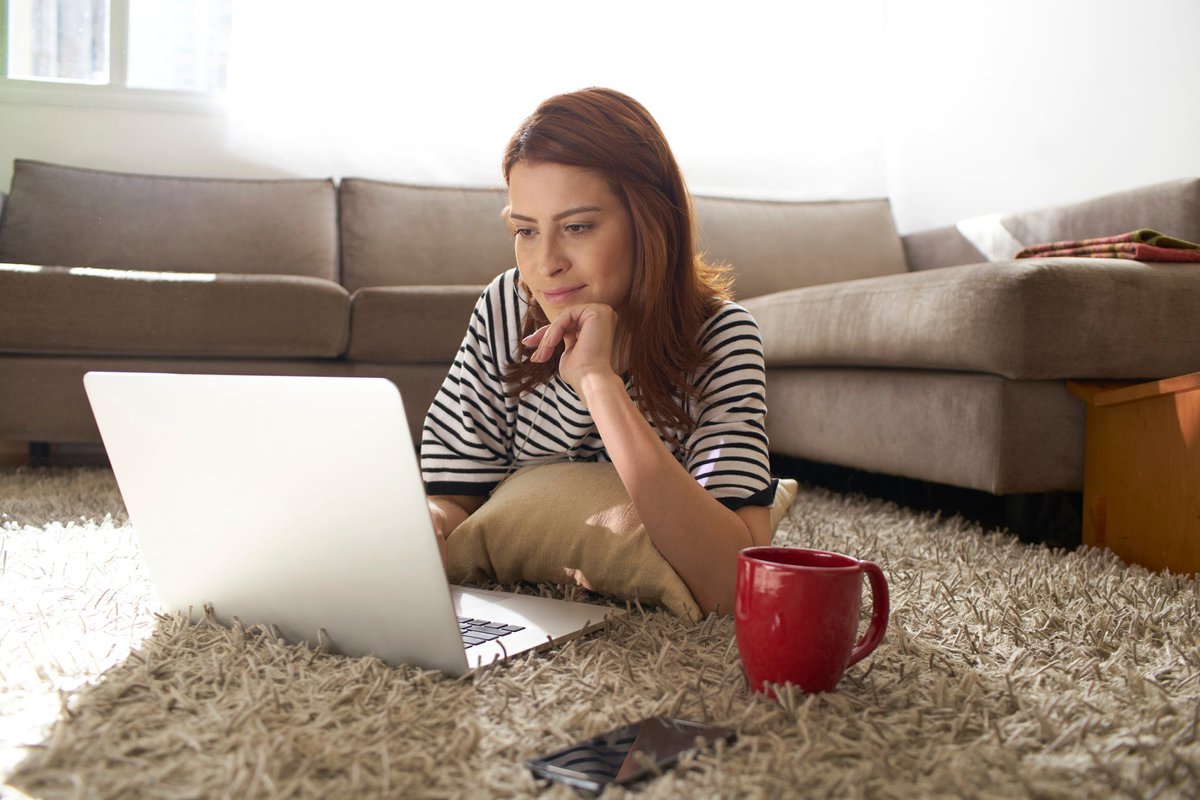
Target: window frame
112,95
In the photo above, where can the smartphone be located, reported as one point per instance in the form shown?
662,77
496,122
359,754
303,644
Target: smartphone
628,754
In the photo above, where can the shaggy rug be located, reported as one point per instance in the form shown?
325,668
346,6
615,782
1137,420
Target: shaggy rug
1009,670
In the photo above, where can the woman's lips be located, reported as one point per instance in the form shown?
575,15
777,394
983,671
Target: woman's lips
560,296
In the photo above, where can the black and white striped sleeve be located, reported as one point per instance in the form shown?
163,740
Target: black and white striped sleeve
465,442
727,451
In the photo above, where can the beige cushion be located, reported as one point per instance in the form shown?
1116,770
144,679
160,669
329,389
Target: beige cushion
410,324
396,234
574,523
1172,207
63,216
775,245
141,313
1031,319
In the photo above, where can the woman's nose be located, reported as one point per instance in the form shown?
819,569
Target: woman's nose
552,259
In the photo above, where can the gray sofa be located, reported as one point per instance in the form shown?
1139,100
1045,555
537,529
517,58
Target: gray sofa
907,356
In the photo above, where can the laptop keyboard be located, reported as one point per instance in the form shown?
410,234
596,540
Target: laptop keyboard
478,631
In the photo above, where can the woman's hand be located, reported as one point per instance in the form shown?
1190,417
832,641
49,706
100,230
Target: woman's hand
438,515
448,512
588,334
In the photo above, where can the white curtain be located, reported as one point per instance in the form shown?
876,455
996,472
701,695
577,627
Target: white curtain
757,98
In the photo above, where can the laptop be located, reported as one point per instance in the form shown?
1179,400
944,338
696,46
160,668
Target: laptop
298,502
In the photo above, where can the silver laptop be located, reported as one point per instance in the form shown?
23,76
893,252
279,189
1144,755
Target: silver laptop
298,502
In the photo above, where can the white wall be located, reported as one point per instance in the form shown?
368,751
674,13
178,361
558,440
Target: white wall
1002,106
959,108
775,100
768,98
127,141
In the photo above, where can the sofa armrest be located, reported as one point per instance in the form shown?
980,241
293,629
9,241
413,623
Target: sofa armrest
1032,319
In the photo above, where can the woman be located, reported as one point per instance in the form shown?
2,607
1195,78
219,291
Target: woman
612,340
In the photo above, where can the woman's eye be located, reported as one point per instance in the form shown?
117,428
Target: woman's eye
578,227
522,233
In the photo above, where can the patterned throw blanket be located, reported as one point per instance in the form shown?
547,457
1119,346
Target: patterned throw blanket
1139,245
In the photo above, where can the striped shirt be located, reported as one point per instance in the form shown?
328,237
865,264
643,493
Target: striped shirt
475,435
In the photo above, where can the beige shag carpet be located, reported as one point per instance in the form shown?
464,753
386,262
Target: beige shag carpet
1008,671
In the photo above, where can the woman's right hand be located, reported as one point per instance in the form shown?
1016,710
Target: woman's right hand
588,334
438,515
448,512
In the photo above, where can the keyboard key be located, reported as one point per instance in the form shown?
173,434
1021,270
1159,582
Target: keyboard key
489,630
478,631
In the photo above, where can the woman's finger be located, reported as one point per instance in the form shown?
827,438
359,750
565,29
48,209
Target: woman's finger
547,343
553,333
567,328
532,339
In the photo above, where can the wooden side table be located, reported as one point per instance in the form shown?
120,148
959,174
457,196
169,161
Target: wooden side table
1141,482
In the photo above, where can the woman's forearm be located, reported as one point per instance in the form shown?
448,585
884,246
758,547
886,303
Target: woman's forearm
695,533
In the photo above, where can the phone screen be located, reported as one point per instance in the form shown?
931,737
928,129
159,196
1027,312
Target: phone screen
627,754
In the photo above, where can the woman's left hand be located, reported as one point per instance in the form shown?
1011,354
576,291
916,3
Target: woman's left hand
588,334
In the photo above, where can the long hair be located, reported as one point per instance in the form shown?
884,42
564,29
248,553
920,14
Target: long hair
674,289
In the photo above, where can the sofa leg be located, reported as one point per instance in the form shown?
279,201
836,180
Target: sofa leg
67,454
1054,519
39,454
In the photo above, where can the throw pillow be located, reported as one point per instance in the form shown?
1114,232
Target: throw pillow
574,523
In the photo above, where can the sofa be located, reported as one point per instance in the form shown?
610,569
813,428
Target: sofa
932,356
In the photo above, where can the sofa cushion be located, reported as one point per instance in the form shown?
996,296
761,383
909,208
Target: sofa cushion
396,234
1031,319
774,245
410,324
959,428
1172,207
42,397
75,311
64,216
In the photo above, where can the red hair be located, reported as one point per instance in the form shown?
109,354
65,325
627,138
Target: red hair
674,290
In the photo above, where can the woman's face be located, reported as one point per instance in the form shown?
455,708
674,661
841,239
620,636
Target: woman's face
573,236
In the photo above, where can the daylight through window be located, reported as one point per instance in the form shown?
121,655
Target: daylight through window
58,40
179,45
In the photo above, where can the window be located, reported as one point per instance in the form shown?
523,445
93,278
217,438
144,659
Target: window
179,44
105,49
58,40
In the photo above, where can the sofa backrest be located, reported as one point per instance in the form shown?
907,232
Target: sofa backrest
375,233
778,245
67,216
398,234
1172,208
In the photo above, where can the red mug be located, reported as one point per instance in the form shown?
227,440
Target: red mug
796,616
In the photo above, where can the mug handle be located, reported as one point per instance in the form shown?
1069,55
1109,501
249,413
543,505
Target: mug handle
879,614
